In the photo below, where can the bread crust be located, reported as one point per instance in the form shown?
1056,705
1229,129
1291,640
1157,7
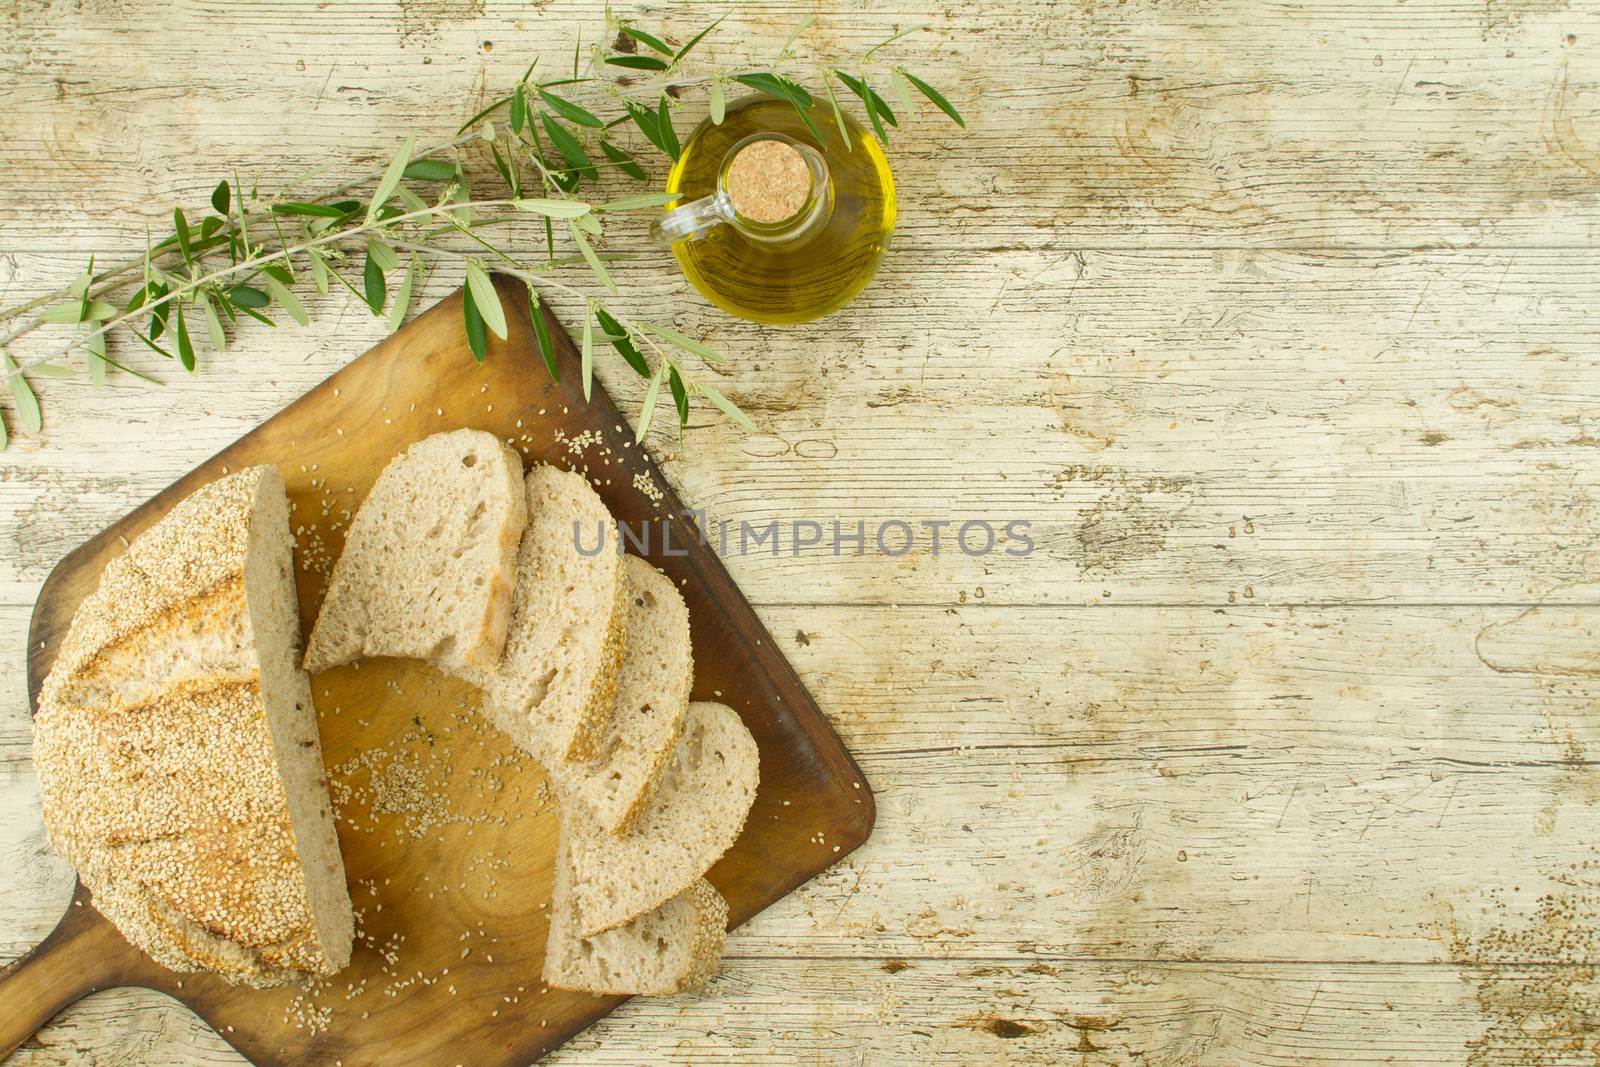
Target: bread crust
161,785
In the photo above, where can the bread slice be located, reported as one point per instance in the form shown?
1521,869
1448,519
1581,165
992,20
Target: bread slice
646,718
699,808
428,565
176,741
568,622
671,949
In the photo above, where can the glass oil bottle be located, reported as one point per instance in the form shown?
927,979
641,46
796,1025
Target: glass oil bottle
772,224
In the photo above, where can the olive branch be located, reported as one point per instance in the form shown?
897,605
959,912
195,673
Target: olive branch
246,257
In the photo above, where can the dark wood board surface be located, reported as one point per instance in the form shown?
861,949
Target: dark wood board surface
448,833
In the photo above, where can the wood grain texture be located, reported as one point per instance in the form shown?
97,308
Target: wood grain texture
449,833
1276,320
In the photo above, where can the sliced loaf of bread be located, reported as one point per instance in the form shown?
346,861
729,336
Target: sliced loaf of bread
646,718
179,762
699,807
672,948
428,566
556,682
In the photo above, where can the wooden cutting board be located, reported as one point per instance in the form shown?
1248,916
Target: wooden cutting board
448,835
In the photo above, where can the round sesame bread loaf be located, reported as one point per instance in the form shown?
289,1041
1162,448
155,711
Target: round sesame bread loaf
179,763
428,566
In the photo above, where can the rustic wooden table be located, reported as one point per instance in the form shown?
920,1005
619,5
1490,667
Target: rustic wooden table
1278,322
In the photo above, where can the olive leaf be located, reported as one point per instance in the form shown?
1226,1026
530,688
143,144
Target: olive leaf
391,178
402,295
477,335
27,403
587,354
541,333
934,96
374,285
726,406
484,295
649,408
589,255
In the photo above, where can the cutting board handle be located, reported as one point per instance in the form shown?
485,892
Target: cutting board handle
82,955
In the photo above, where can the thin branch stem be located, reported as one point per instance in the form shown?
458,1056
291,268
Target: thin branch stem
250,265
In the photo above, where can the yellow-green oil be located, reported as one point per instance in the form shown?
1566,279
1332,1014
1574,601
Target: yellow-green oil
784,283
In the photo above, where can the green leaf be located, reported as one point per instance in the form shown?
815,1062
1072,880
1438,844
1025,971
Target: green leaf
248,296
647,412
696,39
391,178
800,27
637,62
783,89
5,440
181,224
519,110
587,355
153,346
477,336
379,250
902,96
430,170
481,286
411,201
286,300
565,143
49,370
726,406
209,227
95,353
595,265
680,397
688,344
838,119
649,123
623,161
669,136
319,269
508,172
181,331
376,287
214,331
621,341
570,111
895,37
402,296
589,224
221,197
869,96
648,40
719,103
296,207
27,403
554,209
73,311
158,312
935,96
632,203
465,126
775,85
542,333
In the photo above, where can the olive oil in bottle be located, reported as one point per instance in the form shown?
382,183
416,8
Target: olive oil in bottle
773,225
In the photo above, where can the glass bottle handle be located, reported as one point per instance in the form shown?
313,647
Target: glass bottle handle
691,221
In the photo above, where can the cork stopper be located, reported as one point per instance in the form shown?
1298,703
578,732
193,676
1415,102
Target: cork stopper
768,181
